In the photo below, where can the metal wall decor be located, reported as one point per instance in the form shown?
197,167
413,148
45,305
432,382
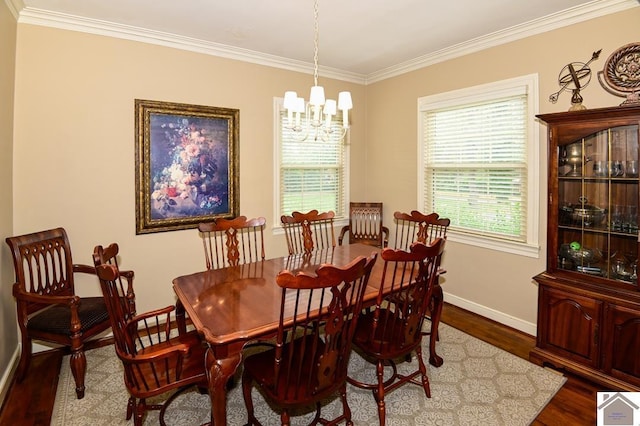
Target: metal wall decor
574,77
621,73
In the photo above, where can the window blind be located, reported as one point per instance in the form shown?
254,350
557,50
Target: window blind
312,171
475,159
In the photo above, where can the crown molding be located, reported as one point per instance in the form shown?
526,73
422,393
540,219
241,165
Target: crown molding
593,9
15,6
34,16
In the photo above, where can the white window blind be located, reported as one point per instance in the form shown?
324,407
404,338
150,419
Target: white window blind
476,162
312,172
476,166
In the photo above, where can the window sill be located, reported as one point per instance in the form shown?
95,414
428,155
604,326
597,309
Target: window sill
520,249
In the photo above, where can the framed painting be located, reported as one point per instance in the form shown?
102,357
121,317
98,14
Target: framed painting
186,165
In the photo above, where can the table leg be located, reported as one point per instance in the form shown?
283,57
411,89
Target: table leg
437,300
218,373
181,320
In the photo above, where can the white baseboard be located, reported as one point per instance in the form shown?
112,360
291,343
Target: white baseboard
501,317
7,376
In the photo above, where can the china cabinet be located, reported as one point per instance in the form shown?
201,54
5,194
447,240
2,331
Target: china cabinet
588,296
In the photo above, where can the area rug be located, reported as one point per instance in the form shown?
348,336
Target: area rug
478,384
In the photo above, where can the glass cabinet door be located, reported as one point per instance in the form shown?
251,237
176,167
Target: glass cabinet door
598,205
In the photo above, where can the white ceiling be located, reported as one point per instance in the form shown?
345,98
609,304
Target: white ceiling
362,40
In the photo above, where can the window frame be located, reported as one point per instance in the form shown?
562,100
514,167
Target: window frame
339,220
485,92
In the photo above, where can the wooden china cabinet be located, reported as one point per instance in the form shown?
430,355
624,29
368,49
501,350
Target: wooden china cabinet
588,297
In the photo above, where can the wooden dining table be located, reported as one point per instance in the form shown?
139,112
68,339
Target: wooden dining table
233,306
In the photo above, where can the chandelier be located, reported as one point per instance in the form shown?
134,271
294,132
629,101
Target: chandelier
318,112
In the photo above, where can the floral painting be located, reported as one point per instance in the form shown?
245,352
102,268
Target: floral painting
186,165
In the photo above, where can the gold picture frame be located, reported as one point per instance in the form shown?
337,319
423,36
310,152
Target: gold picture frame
186,165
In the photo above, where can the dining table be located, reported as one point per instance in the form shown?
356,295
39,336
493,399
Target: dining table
232,307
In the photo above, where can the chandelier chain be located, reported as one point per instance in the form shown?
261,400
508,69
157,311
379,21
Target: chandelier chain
315,43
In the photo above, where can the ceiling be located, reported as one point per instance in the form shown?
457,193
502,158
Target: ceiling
362,40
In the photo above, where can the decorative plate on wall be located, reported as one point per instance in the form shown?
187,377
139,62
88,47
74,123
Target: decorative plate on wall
621,73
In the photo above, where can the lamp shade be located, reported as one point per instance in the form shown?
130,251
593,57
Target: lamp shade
290,100
344,101
330,107
316,97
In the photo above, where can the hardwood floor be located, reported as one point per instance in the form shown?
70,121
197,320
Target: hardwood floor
31,402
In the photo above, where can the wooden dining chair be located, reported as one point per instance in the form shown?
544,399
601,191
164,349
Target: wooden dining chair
154,361
392,330
310,231
411,227
318,316
232,242
46,301
425,228
365,225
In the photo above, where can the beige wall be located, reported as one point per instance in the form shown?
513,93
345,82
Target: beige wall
8,327
75,140
496,284
74,145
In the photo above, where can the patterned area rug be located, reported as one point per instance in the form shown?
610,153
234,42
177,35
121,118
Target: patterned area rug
478,384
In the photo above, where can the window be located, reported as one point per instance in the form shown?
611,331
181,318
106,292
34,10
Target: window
478,150
311,173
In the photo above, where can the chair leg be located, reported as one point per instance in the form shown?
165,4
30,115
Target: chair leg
423,372
25,358
78,369
247,384
141,408
131,406
378,393
284,418
346,410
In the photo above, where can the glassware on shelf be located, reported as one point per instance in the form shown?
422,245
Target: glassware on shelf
630,224
620,268
600,168
617,218
624,267
615,168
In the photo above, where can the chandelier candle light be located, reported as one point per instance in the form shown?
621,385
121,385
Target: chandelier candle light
317,107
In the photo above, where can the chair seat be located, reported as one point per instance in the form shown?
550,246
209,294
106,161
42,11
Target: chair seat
390,341
299,384
57,318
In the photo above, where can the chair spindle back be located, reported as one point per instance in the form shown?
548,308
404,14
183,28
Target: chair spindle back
306,232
